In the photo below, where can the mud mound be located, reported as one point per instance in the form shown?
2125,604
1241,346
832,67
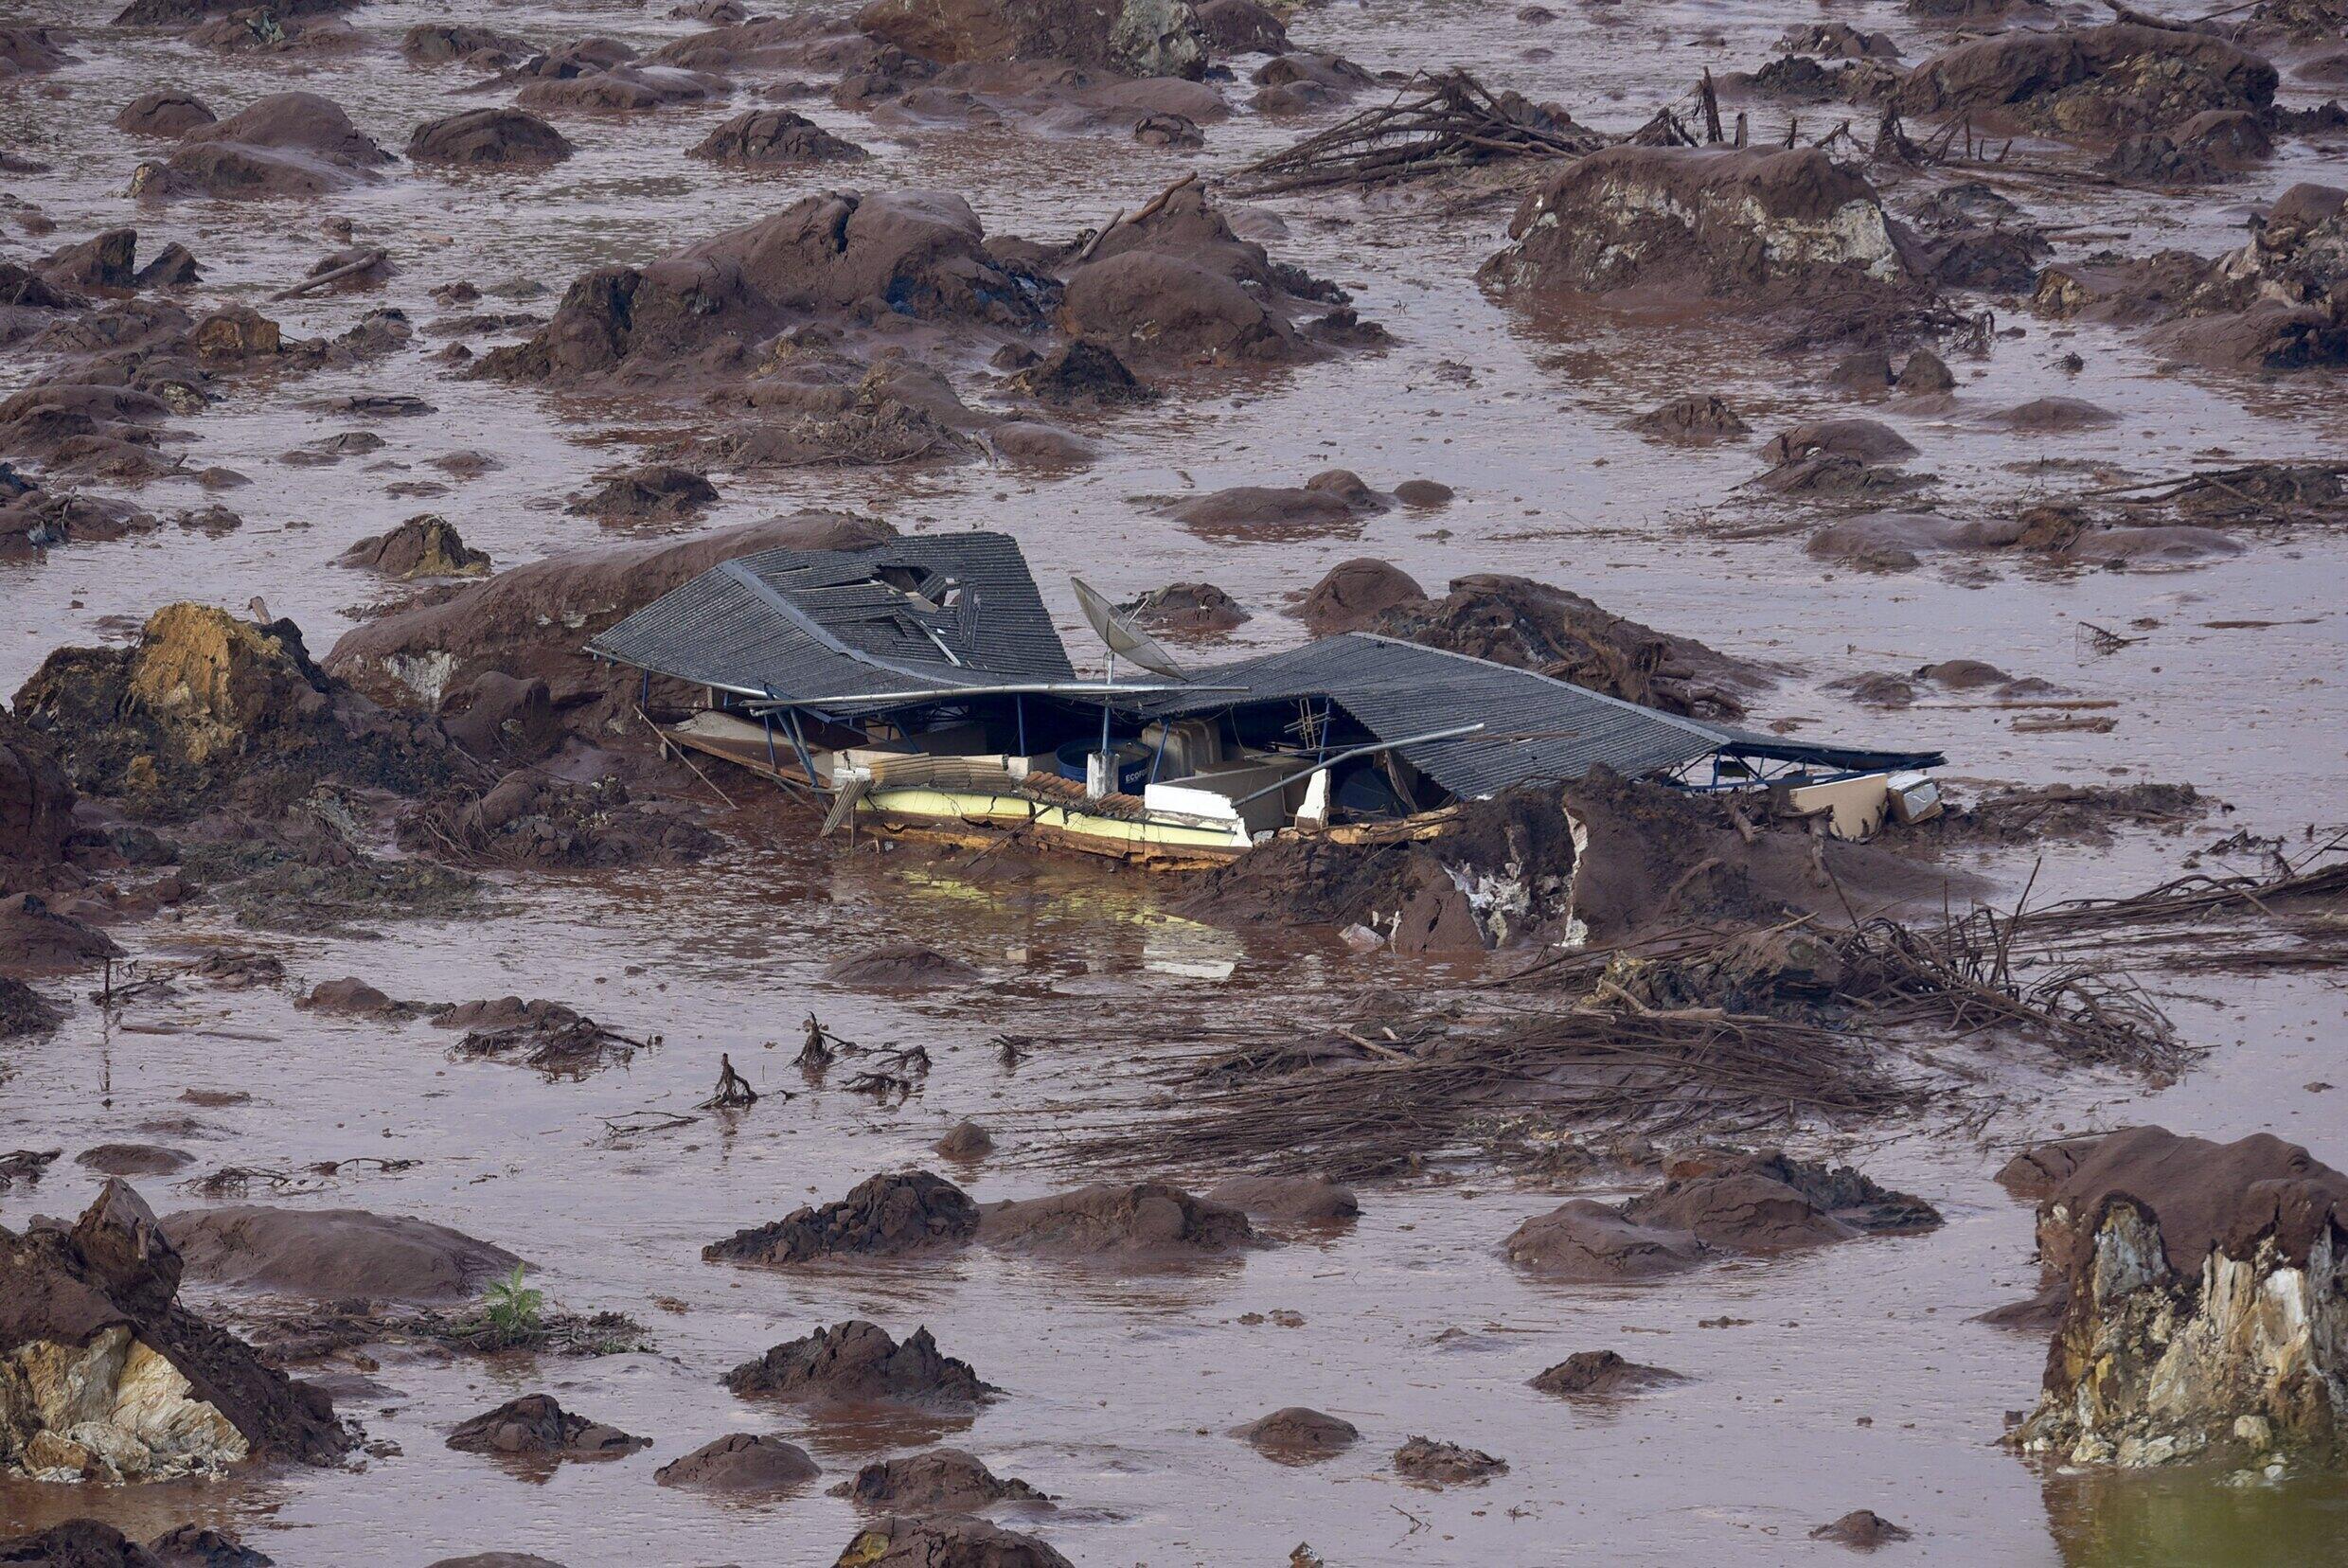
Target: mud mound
940,1481
535,1426
527,623
25,1012
480,136
1330,502
1755,229
1146,1222
1861,1529
1587,1240
903,1212
164,114
2095,82
423,546
1602,1375
88,1544
529,818
29,51
1298,1435
287,144
626,89
334,1255
1188,608
91,1316
775,137
36,939
946,1541
1143,38
1177,285
1430,1462
1769,1202
1862,440
1080,374
36,804
656,493
1693,418
1309,1199
1242,27
350,995
741,1465
856,1363
452,43
134,1159
204,701
2052,415
840,259
1514,620
899,966
966,1141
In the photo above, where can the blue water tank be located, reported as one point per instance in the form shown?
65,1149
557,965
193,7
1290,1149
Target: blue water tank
1132,762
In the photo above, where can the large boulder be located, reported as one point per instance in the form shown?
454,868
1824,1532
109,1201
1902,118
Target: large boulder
1753,229
106,1377
2203,1289
1143,38
287,144
36,804
2093,82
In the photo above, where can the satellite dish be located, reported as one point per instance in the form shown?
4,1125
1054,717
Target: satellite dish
1122,636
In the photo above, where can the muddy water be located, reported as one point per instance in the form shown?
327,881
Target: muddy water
1852,1378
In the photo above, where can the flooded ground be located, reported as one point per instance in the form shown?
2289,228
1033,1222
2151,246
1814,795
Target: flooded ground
1852,1376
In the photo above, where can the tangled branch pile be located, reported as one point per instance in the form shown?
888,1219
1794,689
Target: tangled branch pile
1439,121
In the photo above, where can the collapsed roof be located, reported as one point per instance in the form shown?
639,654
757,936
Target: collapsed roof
924,619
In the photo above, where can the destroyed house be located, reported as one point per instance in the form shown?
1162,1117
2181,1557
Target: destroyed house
922,687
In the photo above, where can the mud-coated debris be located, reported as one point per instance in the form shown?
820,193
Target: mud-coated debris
1602,1375
37,939
89,1543
775,137
134,1159
1080,373
1766,1202
1585,1239
741,1464
898,1212
334,1255
118,1383
558,1042
1299,1435
2089,83
1186,607
2172,1259
1143,38
1146,1222
25,1012
940,1481
450,42
426,546
1352,595
898,967
287,144
479,136
1865,441
1307,1200
946,1541
535,1425
1431,1463
856,1362
966,1140
1862,1529
657,492
1753,229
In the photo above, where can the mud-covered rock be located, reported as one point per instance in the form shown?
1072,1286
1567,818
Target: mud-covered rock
456,42
1242,27
1601,1375
905,1211
1429,1462
37,939
1771,1202
107,1378
1583,1240
654,492
1861,1529
625,89
426,546
1186,609
31,51
480,136
966,1140
334,1255
89,1543
25,1012
898,967
1352,595
940,1481
741,1464
202,703
2091,82
1693,418
1144,38
1750,230
169,113
775,137
945,1540
858,1362
36,804
286,144
1146,1222
534,1426
1298,1435
1080,374
2196,1279
1305,1200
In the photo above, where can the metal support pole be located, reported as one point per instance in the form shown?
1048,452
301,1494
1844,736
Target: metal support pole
767,720
799,743
1157,756
1020,702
